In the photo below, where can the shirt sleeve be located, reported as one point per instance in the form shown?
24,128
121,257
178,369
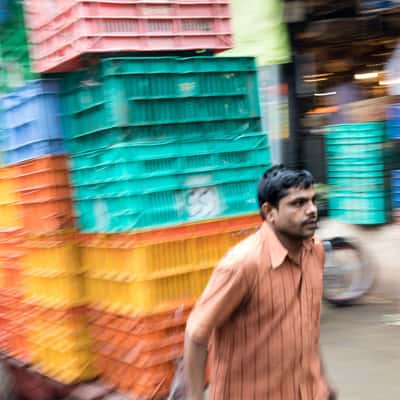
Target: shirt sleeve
223,294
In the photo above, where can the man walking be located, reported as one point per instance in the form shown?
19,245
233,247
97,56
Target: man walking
262,304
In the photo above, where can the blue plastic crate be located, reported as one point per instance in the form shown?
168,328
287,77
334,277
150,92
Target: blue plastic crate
4,11
394,131
34,150
31,114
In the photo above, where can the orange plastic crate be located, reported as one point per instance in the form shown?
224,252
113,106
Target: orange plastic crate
42,172
44,194
138,354
8,186
164,251
11,241
49,216
10,277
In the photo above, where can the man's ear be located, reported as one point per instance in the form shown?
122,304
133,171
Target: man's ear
267,212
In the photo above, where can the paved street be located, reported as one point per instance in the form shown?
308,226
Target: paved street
362,352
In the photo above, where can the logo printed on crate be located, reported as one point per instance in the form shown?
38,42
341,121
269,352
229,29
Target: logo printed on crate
203,202
156,10
187,88
101,214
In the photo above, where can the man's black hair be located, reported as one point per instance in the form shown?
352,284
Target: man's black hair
275,183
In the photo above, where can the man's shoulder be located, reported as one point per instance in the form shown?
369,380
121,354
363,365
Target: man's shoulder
319,248
244,254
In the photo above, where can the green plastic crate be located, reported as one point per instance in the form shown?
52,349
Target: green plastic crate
168,182
359,201
362,171
357,183
356,131
15,68
158,167
150,137
361,217
127,213
356,150
144,92
131,152
355,140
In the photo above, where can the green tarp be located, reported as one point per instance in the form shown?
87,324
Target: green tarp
260,31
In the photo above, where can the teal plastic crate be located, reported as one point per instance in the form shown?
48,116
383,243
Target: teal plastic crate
127,213
355,140
360,170
144,92
149,139
361,217
15,68
144,184
380,201
356,151
158,167
359,131
355,182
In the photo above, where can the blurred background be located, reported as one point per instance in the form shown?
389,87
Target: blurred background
132,137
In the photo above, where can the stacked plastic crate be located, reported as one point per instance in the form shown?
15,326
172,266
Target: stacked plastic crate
394,134
158,143
14,51
165,156
51,283
13,311
359,165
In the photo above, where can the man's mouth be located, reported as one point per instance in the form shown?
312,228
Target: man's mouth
311,222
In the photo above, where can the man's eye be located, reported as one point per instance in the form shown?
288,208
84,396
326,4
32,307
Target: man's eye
299,203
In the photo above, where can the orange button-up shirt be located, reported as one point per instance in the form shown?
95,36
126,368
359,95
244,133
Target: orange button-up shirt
263,313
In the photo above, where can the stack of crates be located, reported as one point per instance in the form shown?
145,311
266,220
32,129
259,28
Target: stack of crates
142,287
13,311
71,33
165,155
359,164
54,286
159,145
163,141
42,245
15,68
394,134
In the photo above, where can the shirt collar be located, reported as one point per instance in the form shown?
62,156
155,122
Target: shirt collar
277,252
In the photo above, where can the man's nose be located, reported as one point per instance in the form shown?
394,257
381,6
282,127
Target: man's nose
311,208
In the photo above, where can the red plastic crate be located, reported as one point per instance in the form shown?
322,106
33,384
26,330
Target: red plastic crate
71,29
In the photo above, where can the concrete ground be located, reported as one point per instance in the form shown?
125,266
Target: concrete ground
361,351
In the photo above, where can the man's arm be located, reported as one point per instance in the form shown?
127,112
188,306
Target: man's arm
224,292
332,392
195,356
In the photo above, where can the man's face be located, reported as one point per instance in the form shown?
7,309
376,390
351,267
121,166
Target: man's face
297,214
